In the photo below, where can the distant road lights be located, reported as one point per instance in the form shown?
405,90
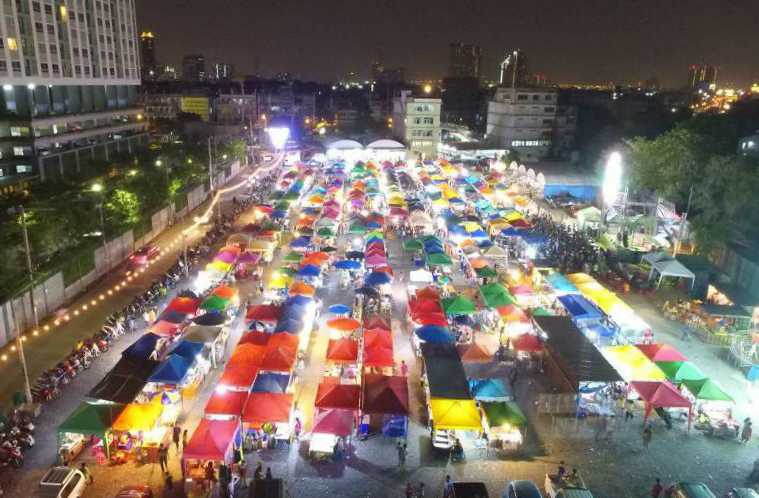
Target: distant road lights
612,178
132,172
278,136
97,187
224,157
158,163
428,89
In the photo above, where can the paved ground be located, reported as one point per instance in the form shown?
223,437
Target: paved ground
617,467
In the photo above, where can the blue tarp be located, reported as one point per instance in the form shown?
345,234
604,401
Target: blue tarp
142,348
172,370
435,334
309,271
339,309
347,264
560,283
271,383
188,350
580,308
584,192
490,390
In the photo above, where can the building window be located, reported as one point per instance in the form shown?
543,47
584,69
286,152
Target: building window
549,109
12,45
44,67
3,66
18,151
549,97
429,121
78,70
16,66
23,168
39,27
48,9
56,69
85,52
417,120
522,97
50,29
36,7
536,97
87,70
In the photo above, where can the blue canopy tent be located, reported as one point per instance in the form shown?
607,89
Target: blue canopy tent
278,214
599,333
512,232
478,234
561,284
142,348
309,271
290,325
173,316
173,370
490,390
339,309
377,278
187,349
435,334
298,300
271,383
301,242
347,264
580,308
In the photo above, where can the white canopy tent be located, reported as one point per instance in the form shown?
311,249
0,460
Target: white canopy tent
347,150
386,150
420,276
666,266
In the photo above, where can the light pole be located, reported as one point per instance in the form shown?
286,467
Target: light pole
27,247
98,189
21,356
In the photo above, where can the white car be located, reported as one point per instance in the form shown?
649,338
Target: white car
62,482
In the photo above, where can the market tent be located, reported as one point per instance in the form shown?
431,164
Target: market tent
560,283
667,266
495,252
660,395
424,306
212,440
455,414
661,352
503,413
385,394
183,304
238,375
632,364
580,308
459,305
210,318
189,349
255,338
267,407
228,403
263,312
342,396
495,295
445,373
271,382
490,390
215,303
707,389
528,343
420,276
476,353
333,421
573,355
125,380
680,371
378,356
342,351
279,356
378,338
344,324
91,419
173,370
142,348
434,334
138,417
376,322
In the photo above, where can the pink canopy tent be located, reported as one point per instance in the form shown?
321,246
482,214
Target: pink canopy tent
661,395
661,352
212,440
333,421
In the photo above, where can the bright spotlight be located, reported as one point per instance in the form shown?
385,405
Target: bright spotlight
278,136
612,178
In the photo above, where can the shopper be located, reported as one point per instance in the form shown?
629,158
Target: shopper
163,457
656,489
86,473
746,431
647,435
176,436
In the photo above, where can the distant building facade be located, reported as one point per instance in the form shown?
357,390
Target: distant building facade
194,67
223,71
70,75
416,121
464,60
702,76
530,121
148,57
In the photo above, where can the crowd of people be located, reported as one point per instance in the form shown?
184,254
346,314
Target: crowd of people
568,249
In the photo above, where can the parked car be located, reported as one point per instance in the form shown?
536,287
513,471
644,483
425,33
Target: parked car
521,489
138,491
691,490
470,490
62,482
142,257
742,493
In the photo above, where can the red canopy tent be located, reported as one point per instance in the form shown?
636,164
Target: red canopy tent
342,396
418,306
212,440
661,395
428,293
267,407
661,352
281,352
183,305
438,319
377,337
263,313
385,394
256,338
164,328
239,375
378,356
376,322
249,353
476,353
342,351
527,342
223,402
333,421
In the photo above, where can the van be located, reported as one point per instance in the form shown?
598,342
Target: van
521,489
62,482
691,490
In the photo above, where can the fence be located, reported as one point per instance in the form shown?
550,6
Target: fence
53,293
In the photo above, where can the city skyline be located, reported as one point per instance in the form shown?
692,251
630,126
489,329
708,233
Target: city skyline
569,42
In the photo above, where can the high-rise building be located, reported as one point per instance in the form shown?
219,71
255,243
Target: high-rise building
147,54
513,70
702,76
376,71
464,60
194,67
416,121
70,75
222,71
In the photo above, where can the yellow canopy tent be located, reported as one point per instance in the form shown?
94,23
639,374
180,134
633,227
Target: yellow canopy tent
513,216
139,417
280,280
456,414
218,266
442,202
632,364
580,278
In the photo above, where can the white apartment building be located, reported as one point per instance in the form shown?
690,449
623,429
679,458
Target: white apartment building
530,121
416,122
70,74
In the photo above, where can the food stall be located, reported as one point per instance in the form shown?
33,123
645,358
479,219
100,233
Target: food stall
213,340
503,421
213,441
266,416
88,425
330,424
138,431
384,405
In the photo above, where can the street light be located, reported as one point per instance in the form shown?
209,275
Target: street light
612,178
278,136
98,189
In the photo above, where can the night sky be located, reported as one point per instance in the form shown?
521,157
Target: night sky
568,40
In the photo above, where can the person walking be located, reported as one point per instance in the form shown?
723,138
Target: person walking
163,457
448,489
647,435
176,436
258,474
184,439
656,489
409,490
420,490
628,410
404,369
746,431
86,473
602,428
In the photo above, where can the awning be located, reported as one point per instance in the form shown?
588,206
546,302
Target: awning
580,308
666,266
503,414
445,373
333,421
139,417
91,419
271,383
385,394
125,380
490,390
173,370
212,440
632,364
188,349
342,351
342,396
226,402
455,414
707,389
142,348
267,407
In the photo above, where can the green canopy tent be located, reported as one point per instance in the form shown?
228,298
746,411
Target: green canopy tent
375,233
413,245
680,371
439,259
325,232
357,228
501,413
486,272
707,389
541,311
286,270
91,419
458,305
495,295
215,303
293,257
291,196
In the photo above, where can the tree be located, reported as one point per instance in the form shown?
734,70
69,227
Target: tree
123,208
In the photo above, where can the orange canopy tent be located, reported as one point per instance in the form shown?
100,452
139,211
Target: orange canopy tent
343,396
301,288
239,375
344,324
255,338
476,353
263,407
342,351
376,322
224,291
428,293
377,337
